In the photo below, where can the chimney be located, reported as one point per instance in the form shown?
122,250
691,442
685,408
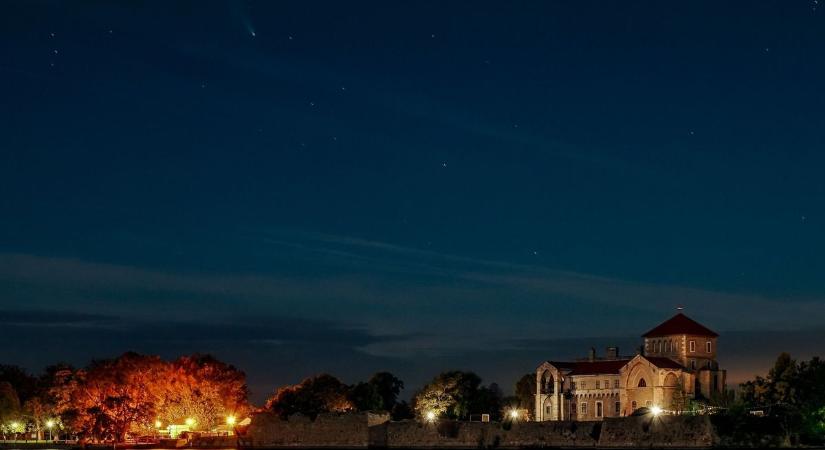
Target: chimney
612,352
591,356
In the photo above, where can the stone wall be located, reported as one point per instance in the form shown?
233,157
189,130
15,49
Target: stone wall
447,434
662,431
327,430
370,430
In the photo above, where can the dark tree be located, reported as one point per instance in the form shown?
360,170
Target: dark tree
315,395
388,386
365,397
526,391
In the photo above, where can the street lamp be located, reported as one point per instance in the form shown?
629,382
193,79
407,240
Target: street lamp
49,426
656,411
514,414
230,420
430,416
190,421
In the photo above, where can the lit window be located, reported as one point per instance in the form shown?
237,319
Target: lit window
707,347
692,346
583,408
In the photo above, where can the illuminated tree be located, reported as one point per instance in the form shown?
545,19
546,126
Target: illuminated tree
449,394
204,389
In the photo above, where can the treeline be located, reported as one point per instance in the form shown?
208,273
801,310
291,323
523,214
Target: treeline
452,394
788,404
109,398
137,395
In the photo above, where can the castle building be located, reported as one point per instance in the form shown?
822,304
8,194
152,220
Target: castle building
676,363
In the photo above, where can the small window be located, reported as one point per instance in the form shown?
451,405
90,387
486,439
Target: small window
547,410
598,384
617,408
633,405
616,383
642,383
573,385
607,384
648,403
583,409
599,409
692,346
582,385
708,346
572,409
693,364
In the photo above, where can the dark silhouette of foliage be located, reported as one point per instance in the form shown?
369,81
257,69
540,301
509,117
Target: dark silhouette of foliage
315,395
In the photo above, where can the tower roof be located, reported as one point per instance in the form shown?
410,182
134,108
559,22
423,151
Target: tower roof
680,324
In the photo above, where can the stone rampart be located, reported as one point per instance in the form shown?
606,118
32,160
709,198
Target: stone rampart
657,432
327,430
367,430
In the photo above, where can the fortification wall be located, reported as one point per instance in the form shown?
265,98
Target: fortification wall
662,431
327,430
375,431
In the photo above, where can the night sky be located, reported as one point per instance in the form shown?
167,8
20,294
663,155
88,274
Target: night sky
349,187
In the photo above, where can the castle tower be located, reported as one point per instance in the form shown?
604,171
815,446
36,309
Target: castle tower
692,345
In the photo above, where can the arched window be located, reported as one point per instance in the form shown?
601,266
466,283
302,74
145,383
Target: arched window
547,382
642,382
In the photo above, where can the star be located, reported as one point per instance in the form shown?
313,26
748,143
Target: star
444,164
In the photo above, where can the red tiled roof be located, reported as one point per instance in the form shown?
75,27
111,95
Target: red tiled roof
664,363
597,367
680,324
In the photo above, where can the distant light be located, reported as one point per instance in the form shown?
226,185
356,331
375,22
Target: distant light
430,416
158,424
190,421
656,410
514,414
230,420
49,423
15,424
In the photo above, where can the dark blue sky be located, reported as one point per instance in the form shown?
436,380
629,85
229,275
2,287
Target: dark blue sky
408,186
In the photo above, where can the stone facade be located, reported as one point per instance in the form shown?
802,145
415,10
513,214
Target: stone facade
677,363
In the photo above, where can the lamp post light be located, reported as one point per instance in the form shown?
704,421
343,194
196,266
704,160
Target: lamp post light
430,416
230,420
190,422
656,411
514,414
49,426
